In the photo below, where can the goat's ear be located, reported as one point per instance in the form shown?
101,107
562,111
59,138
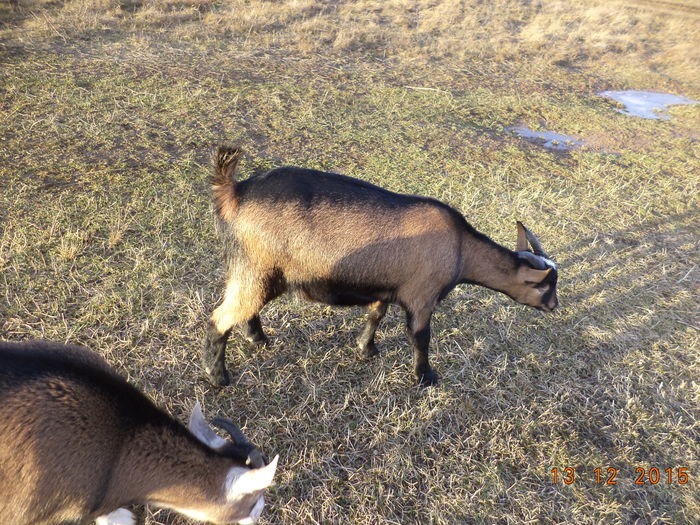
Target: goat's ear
521,245
202,431
253,480
530,275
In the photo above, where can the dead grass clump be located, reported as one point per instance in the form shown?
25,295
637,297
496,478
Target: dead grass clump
71,244
72,18
504,29
267,20
615,33
170,14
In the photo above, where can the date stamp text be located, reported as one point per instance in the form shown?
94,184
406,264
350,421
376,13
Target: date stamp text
609,475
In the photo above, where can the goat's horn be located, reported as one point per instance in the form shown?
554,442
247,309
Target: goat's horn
255,458
536,246
533,259
233,430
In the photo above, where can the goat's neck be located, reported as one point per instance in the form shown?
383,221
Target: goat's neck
166,468
487,263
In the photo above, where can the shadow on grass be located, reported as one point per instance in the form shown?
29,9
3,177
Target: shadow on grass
580,386
605,382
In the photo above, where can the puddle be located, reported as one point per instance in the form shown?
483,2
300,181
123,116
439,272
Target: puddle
548,139
646,104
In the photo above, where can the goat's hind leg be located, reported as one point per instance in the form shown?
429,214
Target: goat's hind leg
242,302
271,286
365,341
254,331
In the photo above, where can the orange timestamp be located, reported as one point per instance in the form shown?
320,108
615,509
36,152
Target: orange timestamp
608,476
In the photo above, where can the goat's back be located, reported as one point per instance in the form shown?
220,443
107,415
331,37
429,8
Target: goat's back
331,226
65,415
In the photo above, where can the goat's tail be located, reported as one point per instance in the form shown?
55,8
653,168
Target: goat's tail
224,162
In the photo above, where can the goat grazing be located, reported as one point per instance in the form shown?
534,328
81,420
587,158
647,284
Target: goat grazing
343,241
77,443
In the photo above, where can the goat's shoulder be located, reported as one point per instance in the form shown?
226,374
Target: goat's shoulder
445,212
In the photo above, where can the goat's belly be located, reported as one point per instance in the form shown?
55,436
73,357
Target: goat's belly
342,294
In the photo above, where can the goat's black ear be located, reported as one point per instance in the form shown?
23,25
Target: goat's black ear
521,245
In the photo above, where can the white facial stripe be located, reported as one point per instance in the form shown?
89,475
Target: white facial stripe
255,512
257,508
190,513
231,478
117,517
196,514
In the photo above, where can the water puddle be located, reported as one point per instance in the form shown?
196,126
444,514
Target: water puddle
646,104
547,139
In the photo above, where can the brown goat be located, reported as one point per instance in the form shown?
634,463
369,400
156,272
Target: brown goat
77,443
343,241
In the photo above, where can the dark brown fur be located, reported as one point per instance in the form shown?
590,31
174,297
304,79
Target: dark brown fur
339,240
77,442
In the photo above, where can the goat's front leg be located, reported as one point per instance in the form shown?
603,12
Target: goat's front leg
365,340
418,324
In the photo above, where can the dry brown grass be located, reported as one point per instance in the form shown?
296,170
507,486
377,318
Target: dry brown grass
109,108
621,34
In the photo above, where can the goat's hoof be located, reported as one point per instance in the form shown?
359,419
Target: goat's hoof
258,340
219,378
428,378
369,350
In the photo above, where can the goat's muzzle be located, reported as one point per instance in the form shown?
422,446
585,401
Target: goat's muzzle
549,305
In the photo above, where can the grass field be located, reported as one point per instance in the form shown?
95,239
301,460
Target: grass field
108,111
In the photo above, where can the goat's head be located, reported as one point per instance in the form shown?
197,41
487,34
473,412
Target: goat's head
535,281
241,500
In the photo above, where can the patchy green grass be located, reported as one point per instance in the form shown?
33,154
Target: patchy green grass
106,238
